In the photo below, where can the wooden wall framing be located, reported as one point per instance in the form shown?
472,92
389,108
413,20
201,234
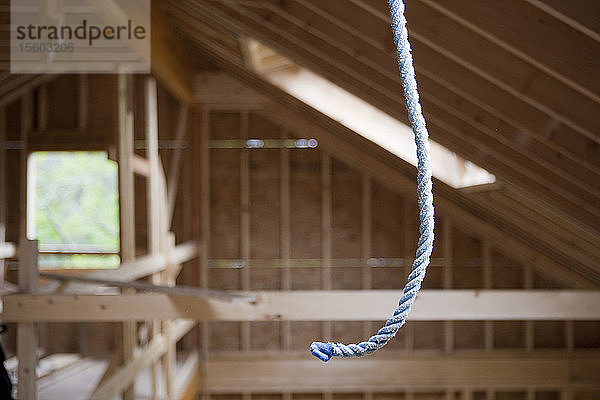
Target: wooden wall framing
290,218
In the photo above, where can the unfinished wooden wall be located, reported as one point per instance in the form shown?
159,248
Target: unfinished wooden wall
78,113
283,217
71,112
297,218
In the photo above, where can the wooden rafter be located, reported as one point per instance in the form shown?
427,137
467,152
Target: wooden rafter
335,136
170,62
431,30
550,39
449,127
582,18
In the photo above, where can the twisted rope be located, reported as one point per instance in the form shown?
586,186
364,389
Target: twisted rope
325,351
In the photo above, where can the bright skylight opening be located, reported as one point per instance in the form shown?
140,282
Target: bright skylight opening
363,118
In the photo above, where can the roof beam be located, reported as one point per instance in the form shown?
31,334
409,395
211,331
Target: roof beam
507,169
489,140
171,63
340,22
455,43
352,148
336,25
583,18
546,46
569,240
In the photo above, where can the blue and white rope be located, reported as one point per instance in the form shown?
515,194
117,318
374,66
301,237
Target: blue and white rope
325,351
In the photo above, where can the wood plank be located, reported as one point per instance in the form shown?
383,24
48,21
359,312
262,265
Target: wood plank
175,166
126,195
218,89
326,221
155,229
366,238
83,101
27,336
140,165
70,140
285,233
126,211
345,305
179,290
188,380
25,116
202,229
487,258
7,250
171,63
448,278
42,108
565,241
417,373
147,265
244,222
353,79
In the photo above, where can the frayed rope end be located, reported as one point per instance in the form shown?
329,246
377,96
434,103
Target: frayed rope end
323,351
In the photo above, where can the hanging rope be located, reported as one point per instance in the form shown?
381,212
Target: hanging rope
325,351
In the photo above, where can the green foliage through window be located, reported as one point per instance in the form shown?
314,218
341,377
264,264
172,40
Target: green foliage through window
75,209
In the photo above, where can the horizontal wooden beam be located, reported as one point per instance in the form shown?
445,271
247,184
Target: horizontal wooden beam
140,165
179,290
147,265
129,271
376,374
343,305
91,139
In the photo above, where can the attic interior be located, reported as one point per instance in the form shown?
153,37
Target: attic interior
250,216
